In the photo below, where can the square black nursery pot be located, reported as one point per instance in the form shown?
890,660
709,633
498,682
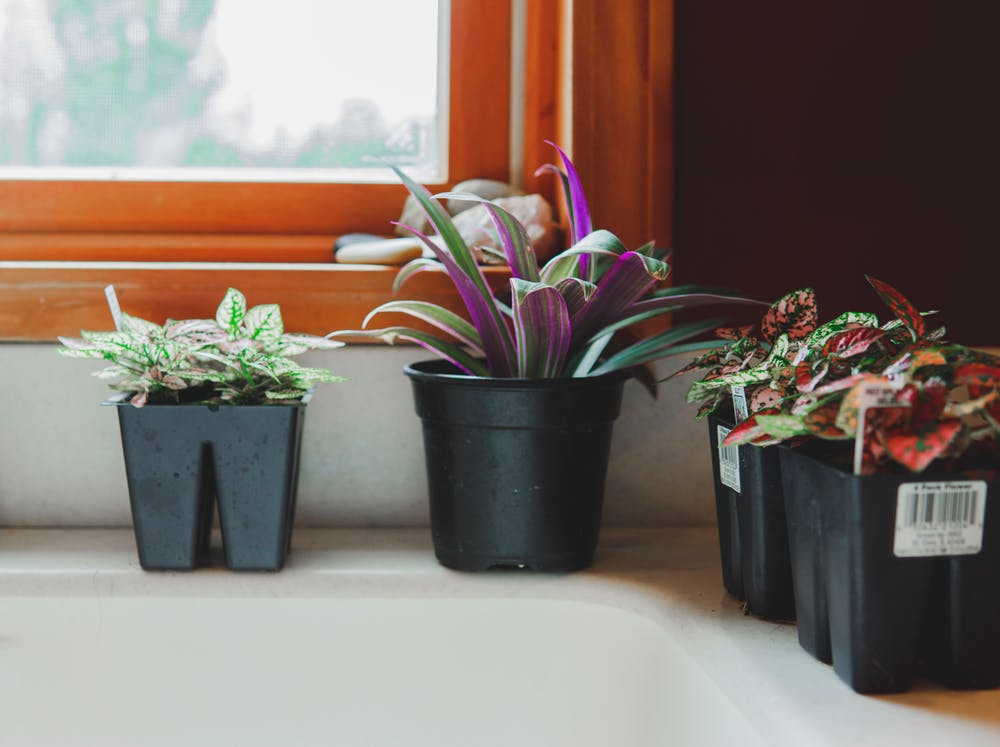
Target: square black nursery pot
753,533
877,616
181,459
515,467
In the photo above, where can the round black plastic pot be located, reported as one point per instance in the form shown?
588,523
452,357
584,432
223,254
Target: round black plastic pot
515,467
876,615
182,459
753,533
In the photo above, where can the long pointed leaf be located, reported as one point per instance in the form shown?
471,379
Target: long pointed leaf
497,342
513,238
581,215
575,293
905,311
658,346
551,168
414,266
437,316
565,264
629,279
542,329
447,350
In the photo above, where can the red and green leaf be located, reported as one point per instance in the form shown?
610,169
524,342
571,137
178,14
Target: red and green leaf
905,311
781,427
808,376
794,314
764,398
733,333
852,342
744,432
822,422
916,451
978,377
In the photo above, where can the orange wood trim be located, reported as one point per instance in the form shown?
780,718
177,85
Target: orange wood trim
620,116
540,94
40,301
166,247
478,146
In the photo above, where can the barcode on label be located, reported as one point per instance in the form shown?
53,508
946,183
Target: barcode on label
939,518
729,461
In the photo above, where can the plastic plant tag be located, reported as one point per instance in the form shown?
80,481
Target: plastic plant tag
729,461
740,410
939,518
116,309
873,396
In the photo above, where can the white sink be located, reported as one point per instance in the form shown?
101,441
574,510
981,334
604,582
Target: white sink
367,672
364,641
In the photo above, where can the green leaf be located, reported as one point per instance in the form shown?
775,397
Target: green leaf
655,347
232,311
414,266
263,323
437,316
447,350
848,319
782,426
135,326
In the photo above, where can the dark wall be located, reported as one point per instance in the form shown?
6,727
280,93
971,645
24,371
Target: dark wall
819,140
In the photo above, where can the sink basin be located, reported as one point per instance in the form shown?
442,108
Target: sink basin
184,670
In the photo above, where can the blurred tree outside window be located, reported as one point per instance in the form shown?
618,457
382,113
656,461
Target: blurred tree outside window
227,90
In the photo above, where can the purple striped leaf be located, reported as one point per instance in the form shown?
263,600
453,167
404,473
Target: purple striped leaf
497,342
564,264
442,222
630,278
541,328
513,238
437,316
413,267
448,350
575,293
582,225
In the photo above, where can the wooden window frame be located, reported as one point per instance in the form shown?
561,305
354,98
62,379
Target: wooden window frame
173,248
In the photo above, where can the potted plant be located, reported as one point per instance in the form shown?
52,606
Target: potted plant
517,417
891,498
744,377
210,410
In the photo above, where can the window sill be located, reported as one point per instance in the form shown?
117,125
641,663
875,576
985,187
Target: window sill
42,300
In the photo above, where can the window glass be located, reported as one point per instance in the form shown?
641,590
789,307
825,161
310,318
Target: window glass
232,90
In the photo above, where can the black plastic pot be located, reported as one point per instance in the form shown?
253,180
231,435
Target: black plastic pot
753,534
515,467
880,618
182,459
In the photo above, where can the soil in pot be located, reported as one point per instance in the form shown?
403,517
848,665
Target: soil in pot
892,575
515,467
753,534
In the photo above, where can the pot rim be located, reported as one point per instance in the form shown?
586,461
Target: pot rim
426,371
121,399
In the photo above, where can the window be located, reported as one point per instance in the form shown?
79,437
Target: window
223,90
163,242
59,220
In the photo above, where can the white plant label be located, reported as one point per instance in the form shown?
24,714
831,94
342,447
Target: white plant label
116,309
729,461
740,410
939,518
873,396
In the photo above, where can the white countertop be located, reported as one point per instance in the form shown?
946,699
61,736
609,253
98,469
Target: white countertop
669,576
